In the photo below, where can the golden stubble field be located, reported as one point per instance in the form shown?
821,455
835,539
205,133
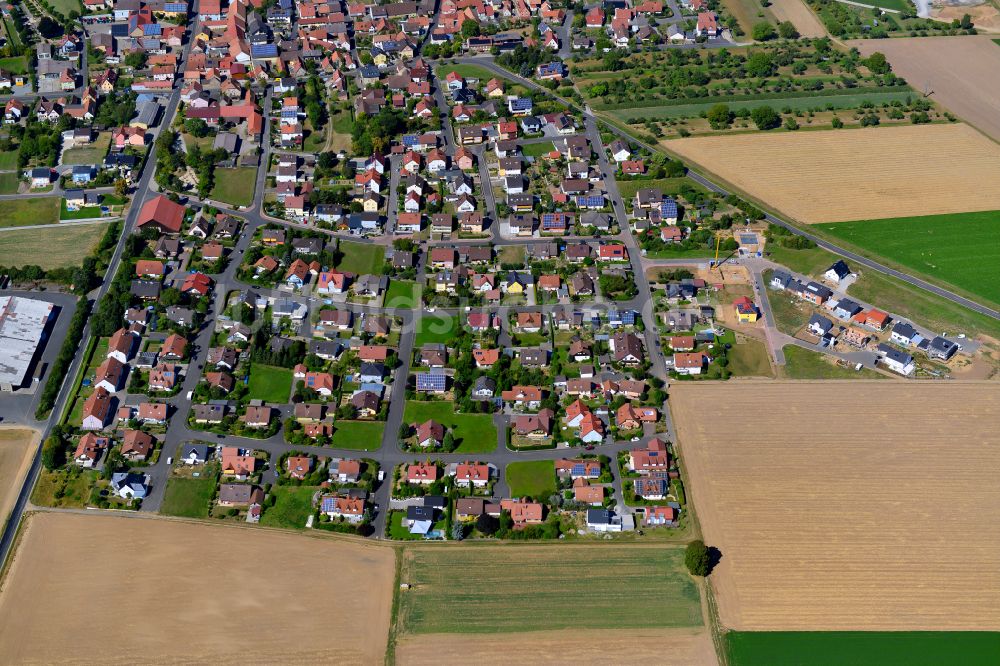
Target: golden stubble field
665,647
800,15
961,73
847,505
858,174
87,589
17,445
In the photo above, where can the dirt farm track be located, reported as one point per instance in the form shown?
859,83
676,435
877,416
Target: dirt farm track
87,589
856,174
961,73
847,505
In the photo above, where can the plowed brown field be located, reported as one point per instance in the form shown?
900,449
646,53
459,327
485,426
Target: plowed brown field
847,506
961,73
87,589
842,175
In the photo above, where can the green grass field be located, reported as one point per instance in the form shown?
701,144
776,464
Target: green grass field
749,359
899,5
30,212
466,71
961,249
68,488
234,186
403,294
534,478
805,364
537,149
358,435
861,648
812,262
190,497
435,328
8,159
9,182
669,186
55,247
91,154
361,258
292,507
15,64
475,433
64,7
524,588
270,383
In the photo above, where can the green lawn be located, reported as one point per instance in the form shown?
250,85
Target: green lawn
361,258
526,588
270,383
961,249
466,71
532,478
404,294
292,507
400,532
92,154
234,186
14,65
474,433
84,213
669,186
190,497
805,364
749,359
358,435
435,328
8,159
64,7
810,262
29,212
67,488
537,149
862,648
9,182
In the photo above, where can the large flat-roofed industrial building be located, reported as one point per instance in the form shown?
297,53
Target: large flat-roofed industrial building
23,328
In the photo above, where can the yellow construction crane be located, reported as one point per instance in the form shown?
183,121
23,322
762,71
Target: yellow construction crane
718,242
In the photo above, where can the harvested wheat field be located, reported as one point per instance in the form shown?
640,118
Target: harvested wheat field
962,73
800,15
847,505
666,647
860,174
17,445
90,588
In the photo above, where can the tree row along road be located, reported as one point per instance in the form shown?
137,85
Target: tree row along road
488,63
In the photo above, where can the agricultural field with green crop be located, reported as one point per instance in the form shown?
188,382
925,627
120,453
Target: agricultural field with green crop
861,648
962,249
535,588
